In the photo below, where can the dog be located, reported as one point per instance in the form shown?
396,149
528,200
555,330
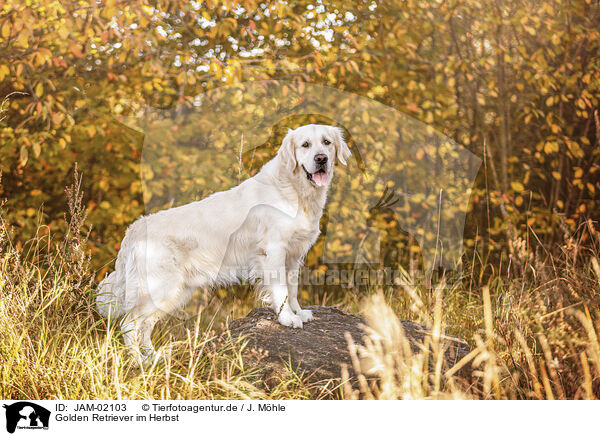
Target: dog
258,231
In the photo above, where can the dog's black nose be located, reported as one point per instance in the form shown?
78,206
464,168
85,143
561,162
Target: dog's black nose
321,158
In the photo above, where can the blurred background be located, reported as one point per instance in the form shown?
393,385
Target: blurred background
514,82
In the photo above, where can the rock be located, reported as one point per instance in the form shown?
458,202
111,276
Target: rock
318,351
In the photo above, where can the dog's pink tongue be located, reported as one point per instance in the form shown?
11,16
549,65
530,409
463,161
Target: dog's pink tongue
320,178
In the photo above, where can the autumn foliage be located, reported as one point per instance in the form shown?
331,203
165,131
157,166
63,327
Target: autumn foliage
516,82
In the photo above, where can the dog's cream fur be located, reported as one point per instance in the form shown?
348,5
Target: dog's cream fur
259,230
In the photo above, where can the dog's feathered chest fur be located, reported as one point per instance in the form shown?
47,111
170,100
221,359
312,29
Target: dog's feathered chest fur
304,235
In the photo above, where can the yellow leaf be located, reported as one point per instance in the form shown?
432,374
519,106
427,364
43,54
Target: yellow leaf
76,50
6,29
23,40
517,186
365,117
576,150
57,118
550,147
4,71
556,175
108,13
39,90
37,149
23,155
63,32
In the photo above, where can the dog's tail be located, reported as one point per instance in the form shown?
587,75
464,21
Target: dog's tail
110,296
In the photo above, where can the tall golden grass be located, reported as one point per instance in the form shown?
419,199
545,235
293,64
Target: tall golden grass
534,333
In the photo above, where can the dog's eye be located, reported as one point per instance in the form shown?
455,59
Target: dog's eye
306,144
326,141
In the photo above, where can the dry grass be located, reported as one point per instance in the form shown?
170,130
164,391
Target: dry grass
534,333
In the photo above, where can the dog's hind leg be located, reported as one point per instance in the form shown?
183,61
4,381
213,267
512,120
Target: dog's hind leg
165,294
130,327
137,335
146,328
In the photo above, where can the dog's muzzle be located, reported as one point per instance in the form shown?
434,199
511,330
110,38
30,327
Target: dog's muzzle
319,177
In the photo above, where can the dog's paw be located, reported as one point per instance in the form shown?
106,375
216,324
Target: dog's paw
306,315
289,319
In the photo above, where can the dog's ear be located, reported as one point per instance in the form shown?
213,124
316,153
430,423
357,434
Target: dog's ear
286,151
341,148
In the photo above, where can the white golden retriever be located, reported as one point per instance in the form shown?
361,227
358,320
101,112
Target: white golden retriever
259,230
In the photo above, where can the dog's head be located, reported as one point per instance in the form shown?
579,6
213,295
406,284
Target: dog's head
311,151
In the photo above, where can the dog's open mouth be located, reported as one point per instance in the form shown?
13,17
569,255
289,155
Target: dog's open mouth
318,178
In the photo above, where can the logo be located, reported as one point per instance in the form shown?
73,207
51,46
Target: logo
26,415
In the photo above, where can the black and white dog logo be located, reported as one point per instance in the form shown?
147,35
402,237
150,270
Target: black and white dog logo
26,415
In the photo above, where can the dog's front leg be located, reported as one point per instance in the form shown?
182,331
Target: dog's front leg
275,283
293,274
